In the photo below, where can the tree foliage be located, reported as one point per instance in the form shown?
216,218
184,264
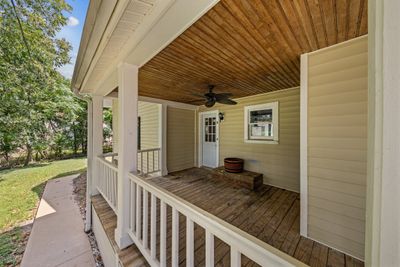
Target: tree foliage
37,107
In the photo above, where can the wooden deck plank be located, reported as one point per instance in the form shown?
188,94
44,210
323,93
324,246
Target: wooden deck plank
303,250
319,255
293,238
335,258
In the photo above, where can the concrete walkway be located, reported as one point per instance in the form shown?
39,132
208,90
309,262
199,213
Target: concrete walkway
57,237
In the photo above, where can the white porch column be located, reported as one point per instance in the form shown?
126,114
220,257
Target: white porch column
89,172
163,139
383,184
97,133
94,148
127,145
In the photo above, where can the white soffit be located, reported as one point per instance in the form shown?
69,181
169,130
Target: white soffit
144,29
127,18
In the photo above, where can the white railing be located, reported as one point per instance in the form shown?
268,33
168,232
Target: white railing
111,157
148,161
107,180
146,236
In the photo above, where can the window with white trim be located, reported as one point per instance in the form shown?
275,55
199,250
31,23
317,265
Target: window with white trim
261,123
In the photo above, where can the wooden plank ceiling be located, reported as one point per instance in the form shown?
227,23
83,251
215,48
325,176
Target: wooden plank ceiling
249,47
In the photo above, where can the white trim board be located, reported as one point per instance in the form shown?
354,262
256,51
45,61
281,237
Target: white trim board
338,44
303,145
200,136
275,122
169,103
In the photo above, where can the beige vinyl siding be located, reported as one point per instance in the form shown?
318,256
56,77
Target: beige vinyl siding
279,163
150,120
337,145
149,114
181,127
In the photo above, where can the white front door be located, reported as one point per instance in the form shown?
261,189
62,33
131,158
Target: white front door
210,139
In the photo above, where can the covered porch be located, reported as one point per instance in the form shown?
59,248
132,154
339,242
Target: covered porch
298,73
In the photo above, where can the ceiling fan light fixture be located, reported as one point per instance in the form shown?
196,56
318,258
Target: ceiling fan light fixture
212,98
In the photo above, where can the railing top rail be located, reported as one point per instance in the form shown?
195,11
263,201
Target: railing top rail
149,149
106,162
110,154
247,244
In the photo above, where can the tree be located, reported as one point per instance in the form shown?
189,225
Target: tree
37,104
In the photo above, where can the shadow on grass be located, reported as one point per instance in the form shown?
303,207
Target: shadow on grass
30,166
40,188
35,165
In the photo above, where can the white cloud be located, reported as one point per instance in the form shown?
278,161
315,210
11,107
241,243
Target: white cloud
72,21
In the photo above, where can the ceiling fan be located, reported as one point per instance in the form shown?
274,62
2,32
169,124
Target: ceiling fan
212,98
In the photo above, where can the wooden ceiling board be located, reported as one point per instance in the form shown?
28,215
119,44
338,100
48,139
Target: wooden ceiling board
249,47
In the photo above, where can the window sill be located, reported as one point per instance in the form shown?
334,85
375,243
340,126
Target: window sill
264,142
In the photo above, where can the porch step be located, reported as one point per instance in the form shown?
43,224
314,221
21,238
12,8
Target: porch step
246,179
128,257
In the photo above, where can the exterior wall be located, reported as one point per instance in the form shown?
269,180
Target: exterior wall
108,254
181,130
149,114
279,163
337,145
150,119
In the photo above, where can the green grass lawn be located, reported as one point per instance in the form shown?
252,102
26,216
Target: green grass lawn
20,192
21,188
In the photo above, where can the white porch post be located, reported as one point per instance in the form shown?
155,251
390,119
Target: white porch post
163,139
127,145
97,133
383,184
89,173
94,148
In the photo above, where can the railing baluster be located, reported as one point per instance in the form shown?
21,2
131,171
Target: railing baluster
147,163
115,188
235,257
153,227
141,165
138,209
105,180
189,242
145,218
153,163
175,238
133,207
108,184
209,249
163,234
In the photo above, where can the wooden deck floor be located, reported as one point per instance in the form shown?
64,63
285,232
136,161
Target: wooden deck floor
270,214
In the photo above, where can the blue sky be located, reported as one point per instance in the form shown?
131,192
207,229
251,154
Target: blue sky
73,31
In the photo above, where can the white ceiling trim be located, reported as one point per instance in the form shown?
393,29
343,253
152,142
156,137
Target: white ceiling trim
126,18
167,20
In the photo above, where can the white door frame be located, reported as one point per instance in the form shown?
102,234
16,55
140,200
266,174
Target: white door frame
200,137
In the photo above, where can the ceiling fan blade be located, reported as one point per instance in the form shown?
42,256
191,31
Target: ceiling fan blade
226,101
223,95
